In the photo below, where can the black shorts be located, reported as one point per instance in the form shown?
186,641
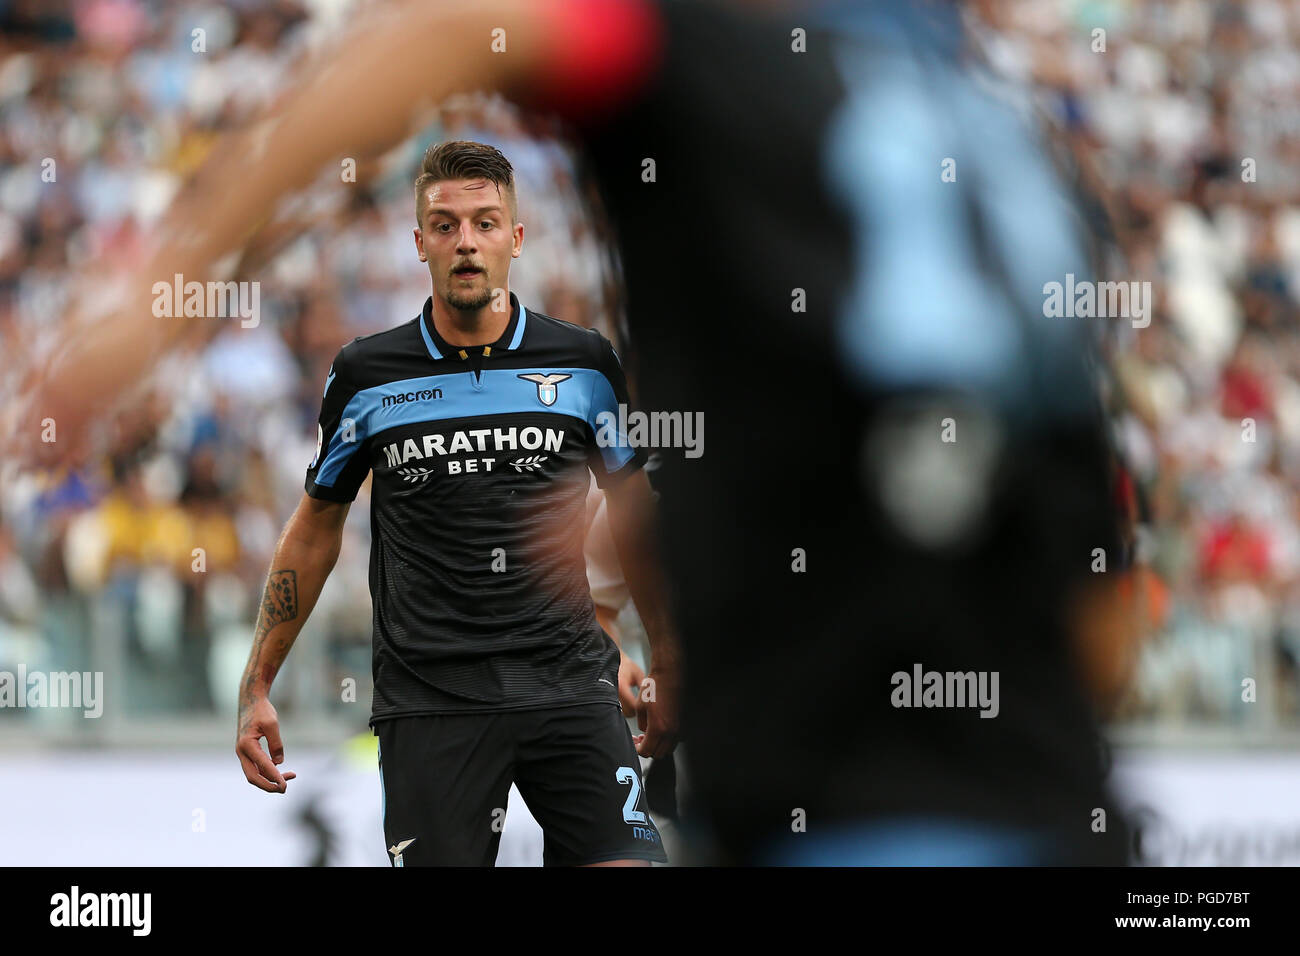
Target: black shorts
446,780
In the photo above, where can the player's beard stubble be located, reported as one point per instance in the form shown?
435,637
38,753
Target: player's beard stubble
469,300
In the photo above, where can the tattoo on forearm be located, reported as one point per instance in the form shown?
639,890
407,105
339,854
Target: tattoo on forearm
279,604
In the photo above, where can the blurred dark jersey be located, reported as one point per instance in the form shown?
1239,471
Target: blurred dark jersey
481,466
904,461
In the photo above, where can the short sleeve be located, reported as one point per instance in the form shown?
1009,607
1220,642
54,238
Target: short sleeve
338,469
612,456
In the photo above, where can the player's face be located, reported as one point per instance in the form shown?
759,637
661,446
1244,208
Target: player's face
468,239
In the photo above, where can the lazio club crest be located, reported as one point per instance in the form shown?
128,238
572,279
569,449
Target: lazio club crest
547,391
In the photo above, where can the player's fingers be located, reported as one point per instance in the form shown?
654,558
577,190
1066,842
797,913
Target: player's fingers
265,768
268,770
253,775
248,751
649,741
662,736
273,742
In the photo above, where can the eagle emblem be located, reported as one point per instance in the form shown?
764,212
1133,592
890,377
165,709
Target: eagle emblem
547,391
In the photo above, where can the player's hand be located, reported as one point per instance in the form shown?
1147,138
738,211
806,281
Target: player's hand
257,719
657,716
630,676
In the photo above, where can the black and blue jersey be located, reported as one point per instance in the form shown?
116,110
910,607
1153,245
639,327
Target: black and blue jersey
480,459
922,298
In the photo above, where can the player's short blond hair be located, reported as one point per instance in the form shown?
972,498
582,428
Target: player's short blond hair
464,159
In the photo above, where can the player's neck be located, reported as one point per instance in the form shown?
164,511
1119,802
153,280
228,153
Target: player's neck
470,327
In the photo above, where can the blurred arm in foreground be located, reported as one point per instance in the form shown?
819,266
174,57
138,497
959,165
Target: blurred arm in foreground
420,52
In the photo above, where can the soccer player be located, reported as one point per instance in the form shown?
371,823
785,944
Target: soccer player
478,422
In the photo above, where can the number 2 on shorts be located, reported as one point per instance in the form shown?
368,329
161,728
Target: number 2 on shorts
630,813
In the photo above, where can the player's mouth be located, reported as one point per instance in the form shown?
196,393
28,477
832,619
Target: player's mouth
467,272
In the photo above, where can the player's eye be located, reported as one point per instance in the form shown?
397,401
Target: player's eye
487,223
443,227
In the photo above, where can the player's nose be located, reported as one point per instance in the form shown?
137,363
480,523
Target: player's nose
466,242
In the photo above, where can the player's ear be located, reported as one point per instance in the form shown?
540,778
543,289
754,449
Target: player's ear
519,241
419,244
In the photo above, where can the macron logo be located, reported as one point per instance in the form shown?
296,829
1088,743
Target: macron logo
401,398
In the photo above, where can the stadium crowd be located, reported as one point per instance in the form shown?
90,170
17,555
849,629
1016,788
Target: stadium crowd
1182,120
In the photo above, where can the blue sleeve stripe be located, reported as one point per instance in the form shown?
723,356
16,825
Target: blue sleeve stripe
603,399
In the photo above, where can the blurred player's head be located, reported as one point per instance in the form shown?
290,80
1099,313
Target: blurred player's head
467,227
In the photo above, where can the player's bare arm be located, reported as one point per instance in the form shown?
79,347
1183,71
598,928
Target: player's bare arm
304,558
632,523
630,675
